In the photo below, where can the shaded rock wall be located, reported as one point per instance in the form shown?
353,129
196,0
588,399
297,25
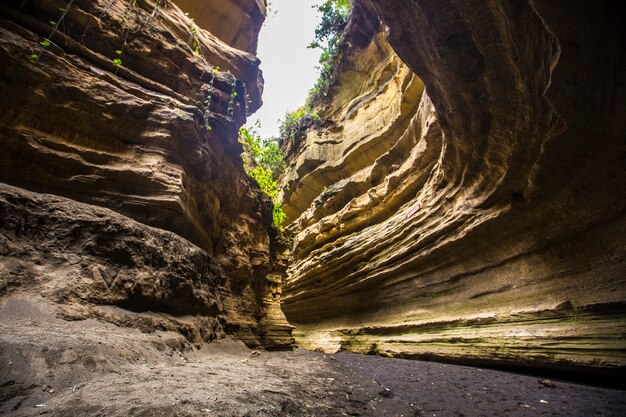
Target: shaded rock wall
236,22
483,218
154,139
85,257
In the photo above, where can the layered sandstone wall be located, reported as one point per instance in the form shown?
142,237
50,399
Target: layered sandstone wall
481,219
151,136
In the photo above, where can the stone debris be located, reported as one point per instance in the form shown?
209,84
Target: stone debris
387,393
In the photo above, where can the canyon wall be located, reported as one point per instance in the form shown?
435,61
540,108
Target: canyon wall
464,198
118,126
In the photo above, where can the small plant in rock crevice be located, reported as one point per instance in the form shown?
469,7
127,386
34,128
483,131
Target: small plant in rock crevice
126,23
118,60
155,11
127,15
193,40
34,57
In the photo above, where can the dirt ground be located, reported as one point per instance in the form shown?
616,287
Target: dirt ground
49,366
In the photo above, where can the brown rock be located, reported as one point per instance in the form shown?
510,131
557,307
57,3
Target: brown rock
236,22
77,240
153,137
547,383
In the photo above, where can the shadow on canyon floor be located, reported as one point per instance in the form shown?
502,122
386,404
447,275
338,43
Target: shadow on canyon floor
57,368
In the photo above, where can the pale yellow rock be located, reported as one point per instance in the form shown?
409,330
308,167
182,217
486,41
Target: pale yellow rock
465,221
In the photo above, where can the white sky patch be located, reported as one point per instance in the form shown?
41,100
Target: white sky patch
288,65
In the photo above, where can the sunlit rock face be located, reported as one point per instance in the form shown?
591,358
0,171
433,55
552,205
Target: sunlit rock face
479,218
135,107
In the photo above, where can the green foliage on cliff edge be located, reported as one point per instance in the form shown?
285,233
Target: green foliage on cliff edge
263,159
297,120
264,162
329,37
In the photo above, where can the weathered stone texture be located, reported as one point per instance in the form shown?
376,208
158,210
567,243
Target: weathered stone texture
481,219
85,257
236,22
141,138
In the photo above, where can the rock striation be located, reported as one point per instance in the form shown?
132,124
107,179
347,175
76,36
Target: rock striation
134,107
464,199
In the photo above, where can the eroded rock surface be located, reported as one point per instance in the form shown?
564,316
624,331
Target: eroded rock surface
236,22
135,107
481,219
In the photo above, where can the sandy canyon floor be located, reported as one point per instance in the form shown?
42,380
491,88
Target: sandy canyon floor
50,366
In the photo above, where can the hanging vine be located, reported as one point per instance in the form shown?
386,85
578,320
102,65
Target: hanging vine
207,102
34,57
233,94
131,22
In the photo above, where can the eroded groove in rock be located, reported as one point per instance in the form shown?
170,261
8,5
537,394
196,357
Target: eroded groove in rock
481,219
135,107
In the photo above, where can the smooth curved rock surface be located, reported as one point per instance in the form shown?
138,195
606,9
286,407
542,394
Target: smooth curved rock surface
153,138
481,220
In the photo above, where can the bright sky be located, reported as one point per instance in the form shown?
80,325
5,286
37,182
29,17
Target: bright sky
288,65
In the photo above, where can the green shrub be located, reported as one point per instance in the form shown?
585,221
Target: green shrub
329,37
278,215
295,121
264,162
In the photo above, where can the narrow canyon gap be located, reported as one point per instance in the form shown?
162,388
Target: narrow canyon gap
462,198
